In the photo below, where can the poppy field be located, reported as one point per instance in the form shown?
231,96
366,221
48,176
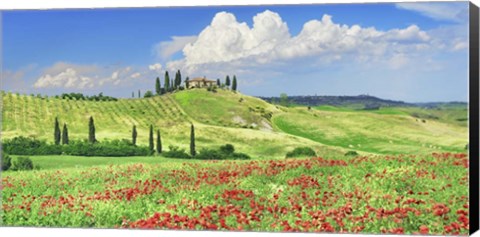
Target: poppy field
402,194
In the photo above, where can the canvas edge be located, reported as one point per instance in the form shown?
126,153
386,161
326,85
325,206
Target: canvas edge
474,117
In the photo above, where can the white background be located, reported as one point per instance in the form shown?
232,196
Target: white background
50,4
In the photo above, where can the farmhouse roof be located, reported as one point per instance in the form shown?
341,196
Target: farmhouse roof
201,79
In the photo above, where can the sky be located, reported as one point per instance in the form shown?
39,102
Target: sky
415,52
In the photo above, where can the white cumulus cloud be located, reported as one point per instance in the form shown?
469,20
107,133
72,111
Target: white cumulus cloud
229,44
155,67
82,77
66,79
135,75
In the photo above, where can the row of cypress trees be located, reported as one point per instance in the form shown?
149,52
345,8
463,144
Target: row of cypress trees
60,136
63,138
228,83
158,147
151,144
167,85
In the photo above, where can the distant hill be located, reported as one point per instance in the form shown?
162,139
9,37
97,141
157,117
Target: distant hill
366,101
338,100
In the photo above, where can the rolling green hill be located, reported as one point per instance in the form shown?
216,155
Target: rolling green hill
34,117
386,133
254,126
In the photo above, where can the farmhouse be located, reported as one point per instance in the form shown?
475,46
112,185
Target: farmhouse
200,82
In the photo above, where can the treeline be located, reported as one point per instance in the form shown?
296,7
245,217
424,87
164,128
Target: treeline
62,145
71,96
31,146
80,96
178,84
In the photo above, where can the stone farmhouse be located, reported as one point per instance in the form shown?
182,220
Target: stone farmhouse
200,82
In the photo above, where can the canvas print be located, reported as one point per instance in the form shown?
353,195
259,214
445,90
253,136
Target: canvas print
342,118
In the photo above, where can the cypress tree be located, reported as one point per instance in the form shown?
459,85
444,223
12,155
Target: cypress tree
133,94
227,81
186,82
56,132
175,81
192,141
91,131
218,82
138,93
167,82
234,83
159,142
150,140
179,81
134,135
158,88
65,134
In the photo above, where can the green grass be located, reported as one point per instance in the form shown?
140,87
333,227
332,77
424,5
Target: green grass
453,114
253,126
225,108
62,162
373,132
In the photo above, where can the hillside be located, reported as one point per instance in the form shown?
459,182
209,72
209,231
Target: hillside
227,109
387,133
254,126
34,117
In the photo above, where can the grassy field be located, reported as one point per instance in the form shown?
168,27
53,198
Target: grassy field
387,131
375,194
53,162
453,114
395,184
252,125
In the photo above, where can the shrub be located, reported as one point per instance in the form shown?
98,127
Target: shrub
30,146
6,162
148,94
225,152
210,154
240,156
301,151
227,149
351,153
175,152
105,148
23,163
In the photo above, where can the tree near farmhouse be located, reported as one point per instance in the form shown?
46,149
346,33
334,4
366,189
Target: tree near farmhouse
158,88
234,83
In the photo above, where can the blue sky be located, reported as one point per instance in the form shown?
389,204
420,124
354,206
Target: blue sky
412,51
